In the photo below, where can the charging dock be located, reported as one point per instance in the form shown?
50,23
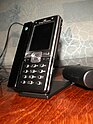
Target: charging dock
56,87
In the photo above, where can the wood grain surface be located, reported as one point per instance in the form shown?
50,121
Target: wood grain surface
73,105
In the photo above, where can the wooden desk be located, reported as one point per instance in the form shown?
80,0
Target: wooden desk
72,105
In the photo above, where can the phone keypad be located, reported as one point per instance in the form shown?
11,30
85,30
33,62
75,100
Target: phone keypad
34,74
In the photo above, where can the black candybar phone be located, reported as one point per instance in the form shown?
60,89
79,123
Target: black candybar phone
34,61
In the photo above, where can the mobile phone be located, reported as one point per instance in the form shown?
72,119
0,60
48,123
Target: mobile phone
36,69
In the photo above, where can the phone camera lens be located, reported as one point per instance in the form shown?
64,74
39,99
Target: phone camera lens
26,28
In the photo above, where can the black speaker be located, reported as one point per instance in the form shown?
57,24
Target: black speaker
19,56
80,75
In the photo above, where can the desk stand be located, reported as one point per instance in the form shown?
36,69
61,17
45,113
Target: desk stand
56,87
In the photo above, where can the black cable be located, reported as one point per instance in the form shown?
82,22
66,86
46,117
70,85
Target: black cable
4,74
6,43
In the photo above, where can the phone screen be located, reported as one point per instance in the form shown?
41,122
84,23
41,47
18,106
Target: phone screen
41,36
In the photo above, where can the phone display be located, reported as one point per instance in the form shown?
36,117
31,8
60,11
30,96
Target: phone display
41,36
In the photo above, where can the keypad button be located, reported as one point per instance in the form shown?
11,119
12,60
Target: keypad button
40,77
24,76
26,59
27,66
34,65
38,83
47,59
23,82
42,65
32,76
30,82
41,71
46,53
33,71
25,71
